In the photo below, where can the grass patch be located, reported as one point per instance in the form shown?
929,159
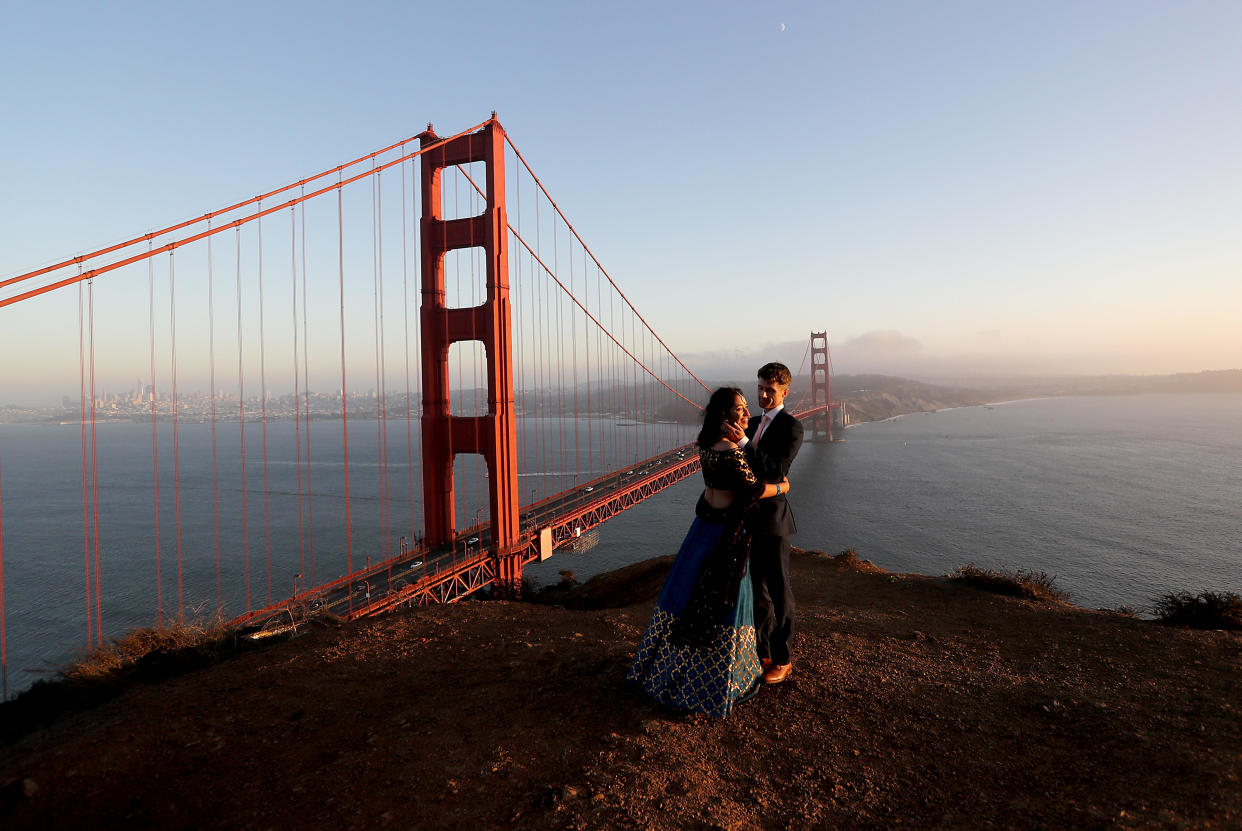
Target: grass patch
1034,585
1205,610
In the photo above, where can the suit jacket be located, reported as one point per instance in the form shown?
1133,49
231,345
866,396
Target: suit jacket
770,458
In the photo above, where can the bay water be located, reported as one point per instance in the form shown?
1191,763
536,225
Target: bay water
1120,498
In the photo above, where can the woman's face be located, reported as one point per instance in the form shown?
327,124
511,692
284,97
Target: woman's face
739,414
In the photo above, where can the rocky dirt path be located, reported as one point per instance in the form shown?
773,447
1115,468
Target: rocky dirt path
915,703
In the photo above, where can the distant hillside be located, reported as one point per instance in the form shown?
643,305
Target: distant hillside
877,397
1225,380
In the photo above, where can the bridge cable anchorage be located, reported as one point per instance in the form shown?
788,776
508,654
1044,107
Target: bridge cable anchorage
207,217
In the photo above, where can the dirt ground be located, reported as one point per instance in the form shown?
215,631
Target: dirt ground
915,702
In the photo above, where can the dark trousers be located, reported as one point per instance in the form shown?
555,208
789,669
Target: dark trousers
774,600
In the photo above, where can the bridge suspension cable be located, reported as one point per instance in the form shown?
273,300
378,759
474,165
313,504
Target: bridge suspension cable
604,408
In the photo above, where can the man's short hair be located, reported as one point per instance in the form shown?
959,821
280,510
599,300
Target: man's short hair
776,373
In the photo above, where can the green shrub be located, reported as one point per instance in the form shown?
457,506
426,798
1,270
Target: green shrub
1206,610
1036,585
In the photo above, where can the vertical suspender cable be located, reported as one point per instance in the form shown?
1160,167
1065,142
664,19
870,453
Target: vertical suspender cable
297,397
405,310
381,379
4,635
267,490
90,295
155,448
600,376
310,489
573,343
560,363
541,326
86,502
241,413
172,317
586,336
386,521
340,236
215,469
612,382
375,317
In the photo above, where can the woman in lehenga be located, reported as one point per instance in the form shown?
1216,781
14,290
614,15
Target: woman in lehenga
699,652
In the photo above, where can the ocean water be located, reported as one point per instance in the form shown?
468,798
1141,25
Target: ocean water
1120,498
273,540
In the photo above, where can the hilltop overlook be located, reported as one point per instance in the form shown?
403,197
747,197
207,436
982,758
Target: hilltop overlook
916,702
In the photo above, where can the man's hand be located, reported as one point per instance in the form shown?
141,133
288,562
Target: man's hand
732,432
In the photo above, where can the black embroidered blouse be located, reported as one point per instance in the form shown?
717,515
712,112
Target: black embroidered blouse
727,470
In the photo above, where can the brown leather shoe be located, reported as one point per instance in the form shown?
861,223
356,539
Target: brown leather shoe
765,662
777,673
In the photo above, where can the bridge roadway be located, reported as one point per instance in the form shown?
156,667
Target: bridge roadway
418,575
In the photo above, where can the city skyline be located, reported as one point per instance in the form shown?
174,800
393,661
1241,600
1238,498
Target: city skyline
949,191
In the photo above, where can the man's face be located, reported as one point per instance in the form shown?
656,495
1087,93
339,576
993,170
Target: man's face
771,394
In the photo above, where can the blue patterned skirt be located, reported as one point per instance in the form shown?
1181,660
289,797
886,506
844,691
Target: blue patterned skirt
708,678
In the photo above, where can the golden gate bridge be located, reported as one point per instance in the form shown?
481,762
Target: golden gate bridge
516,397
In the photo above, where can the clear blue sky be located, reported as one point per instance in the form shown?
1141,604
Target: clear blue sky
946,187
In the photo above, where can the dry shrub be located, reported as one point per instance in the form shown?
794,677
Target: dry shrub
159,650
849,559
1206,610
1035,585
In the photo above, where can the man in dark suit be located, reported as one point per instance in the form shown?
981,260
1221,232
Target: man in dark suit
772,442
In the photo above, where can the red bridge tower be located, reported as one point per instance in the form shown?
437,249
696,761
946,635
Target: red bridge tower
821,422
444,435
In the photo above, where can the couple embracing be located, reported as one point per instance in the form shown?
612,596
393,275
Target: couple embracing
723,625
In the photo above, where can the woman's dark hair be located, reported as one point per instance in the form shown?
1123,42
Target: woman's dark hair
716,413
